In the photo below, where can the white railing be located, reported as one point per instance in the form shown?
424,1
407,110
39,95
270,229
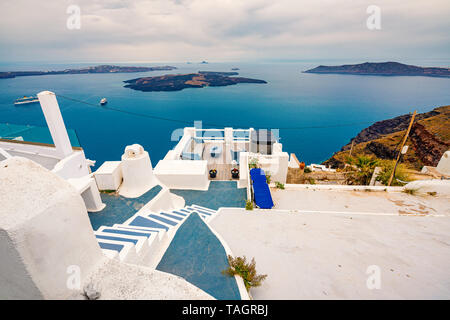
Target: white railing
247,174
245,139
5,154
210,138
215,138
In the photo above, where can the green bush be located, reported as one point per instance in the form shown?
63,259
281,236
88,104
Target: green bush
247,271
279,185
249,205
360,169
268,177
253,163
386,170
307,170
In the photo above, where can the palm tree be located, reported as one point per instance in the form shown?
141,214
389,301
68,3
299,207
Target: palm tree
364,166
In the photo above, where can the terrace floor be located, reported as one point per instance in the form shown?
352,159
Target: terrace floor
327,255
118,208
223,171
220,157
220,194
221,161
375,202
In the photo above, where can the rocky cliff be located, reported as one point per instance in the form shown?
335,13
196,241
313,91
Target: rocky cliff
428,140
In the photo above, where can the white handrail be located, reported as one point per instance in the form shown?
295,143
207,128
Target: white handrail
196,129
5,154
249,190
210,138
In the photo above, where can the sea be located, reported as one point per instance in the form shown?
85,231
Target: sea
315,114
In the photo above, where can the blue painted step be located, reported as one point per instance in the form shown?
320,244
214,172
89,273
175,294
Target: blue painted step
167,221
143,222
171,216
111,246
134,241
180,213
129,233
203,212
203,208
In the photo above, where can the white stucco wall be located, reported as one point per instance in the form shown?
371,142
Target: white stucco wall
131,282
444,164
276,164
72,166
183,174
109,175
436,187
44,229
46,156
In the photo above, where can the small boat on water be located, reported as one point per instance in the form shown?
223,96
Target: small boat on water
103,101
26,100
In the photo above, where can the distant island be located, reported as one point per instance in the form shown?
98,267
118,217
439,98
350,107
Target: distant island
176,82
383,69
96,69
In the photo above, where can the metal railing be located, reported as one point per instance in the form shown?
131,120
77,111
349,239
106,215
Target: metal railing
245,138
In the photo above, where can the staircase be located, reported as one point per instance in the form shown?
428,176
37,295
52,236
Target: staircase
141,238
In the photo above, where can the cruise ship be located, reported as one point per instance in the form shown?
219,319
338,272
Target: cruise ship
133,230
26,100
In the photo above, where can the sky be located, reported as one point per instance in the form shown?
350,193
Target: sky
222,30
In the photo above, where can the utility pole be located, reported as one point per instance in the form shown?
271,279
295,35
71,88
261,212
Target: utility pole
351,148
401,147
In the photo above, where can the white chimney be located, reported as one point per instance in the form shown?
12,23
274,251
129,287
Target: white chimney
137,172
55,123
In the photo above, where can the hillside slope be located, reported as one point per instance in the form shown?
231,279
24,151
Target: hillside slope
428,140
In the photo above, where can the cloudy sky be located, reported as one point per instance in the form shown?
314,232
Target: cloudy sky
222,30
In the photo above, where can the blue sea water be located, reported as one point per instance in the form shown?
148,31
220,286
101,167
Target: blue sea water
291,101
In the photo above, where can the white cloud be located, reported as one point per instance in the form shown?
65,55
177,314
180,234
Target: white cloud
180,30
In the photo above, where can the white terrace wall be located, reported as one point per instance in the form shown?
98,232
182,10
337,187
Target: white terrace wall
46,156
74,165
276,164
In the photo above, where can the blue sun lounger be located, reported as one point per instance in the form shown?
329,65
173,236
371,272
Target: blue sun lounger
257,174
261,190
